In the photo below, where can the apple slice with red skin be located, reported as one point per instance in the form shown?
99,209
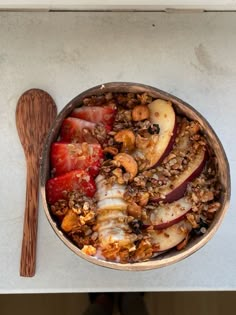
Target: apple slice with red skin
177,188
168,214
163,114
170,237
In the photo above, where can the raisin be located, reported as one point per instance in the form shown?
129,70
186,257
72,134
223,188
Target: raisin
136,226
154,129
203,226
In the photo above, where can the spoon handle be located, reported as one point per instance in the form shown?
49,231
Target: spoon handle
28,250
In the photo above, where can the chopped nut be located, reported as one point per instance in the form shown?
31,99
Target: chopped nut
127,138
144,98
144,251
143,198
214,207
194,128
89,216
134,210
118,173
190,217
89,250
207,196
140,112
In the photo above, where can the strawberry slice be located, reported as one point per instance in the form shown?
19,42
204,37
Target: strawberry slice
73,130
66,157
78,180
96,114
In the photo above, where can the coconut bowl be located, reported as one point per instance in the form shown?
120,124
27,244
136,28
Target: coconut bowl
181,107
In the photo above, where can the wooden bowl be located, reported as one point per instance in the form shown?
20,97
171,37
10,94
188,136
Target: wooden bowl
172,256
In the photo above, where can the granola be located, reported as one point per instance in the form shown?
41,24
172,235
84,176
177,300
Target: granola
151,170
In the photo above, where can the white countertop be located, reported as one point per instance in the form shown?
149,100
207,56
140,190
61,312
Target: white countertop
222,5
189,55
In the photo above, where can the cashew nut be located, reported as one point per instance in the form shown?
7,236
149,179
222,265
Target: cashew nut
111,150
129,164
127,138
140,112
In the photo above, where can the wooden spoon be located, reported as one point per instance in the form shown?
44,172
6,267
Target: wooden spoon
35,114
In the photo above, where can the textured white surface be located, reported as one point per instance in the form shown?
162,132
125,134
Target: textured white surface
191,56
118,4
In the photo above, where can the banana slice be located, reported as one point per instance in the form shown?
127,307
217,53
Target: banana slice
111,216
105,225
115,192
111,204
109,236
106,215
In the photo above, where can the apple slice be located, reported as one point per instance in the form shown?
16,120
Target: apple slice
163,114
170,237
166,215
177,188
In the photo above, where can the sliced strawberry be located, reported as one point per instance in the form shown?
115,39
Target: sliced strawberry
96,114
66,157
78,180
72,129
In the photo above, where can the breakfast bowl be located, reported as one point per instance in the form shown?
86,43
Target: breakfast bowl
154,181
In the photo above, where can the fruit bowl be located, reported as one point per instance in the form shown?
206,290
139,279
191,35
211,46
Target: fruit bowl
182,109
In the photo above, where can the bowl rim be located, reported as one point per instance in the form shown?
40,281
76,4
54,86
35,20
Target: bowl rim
153,263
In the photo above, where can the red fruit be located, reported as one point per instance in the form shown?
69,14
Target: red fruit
178,186
78,180
72,129
66,157
96,114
